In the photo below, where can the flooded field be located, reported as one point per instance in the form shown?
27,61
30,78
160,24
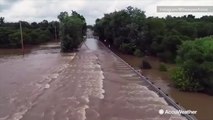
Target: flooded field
24,78
194,101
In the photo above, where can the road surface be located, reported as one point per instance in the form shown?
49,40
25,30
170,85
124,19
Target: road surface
92,84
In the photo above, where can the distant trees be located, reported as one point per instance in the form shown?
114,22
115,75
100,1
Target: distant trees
170,39
33,33
72,29
122,29
129,30
1,21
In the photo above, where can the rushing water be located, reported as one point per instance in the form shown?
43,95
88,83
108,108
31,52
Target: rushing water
92,84
23,78
194,101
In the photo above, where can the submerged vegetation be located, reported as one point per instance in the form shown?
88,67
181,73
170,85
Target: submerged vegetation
171,39
72,29
162,67
195,61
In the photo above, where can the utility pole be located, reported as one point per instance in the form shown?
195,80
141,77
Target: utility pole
55,33
22,41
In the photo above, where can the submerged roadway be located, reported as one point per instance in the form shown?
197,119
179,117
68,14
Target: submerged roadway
91,84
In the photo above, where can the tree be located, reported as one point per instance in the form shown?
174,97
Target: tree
195,61
72,30
1,21
62,16
33,33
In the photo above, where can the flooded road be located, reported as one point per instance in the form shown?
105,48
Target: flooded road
201,102
92,84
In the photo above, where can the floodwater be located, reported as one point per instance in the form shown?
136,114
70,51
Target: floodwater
194,101
24,78
92,84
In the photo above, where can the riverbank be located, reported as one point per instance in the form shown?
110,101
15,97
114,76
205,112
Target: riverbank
192,101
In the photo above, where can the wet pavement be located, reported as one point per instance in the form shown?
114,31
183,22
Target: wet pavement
92,84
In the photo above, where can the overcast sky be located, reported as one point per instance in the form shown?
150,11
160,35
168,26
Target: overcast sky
38,10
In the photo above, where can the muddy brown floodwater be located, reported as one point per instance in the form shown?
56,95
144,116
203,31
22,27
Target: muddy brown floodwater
194,101
91,84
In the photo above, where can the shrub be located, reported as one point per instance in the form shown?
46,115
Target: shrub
195,61
145,65
162,67
138,53
184,81
127,48
166,56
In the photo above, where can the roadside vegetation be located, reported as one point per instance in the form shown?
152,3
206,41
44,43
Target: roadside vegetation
171,39
195,65
72,29
33,33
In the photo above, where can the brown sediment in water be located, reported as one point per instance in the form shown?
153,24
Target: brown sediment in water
191,101
4,52
14,51
91,84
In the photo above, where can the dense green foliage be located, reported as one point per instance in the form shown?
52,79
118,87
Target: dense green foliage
195,60
33,33
170,38
72,29
129,30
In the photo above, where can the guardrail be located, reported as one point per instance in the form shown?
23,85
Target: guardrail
168,99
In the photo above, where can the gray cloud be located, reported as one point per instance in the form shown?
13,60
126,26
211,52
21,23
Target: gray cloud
6,4
37,10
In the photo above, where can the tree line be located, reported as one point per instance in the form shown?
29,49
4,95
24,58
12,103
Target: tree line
131,32
33,33
72,29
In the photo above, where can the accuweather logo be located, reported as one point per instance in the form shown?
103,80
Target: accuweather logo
161,112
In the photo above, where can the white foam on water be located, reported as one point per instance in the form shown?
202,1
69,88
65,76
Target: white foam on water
85,99
19,115
47,86
128,75
73,99
82,112
134,86
54,76
42,114
98,90
11,101
140,93
94,82
53,113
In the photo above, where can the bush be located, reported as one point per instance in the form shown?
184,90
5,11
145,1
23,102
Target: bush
138,53
183,81
162,67
195,61
127,48
14,39
166,56
145,65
